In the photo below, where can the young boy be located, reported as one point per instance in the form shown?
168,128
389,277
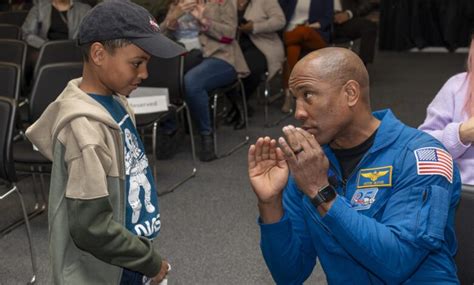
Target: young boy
103,207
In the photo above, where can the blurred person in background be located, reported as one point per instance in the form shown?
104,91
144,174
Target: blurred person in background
308,28
53,20
450,118
259,23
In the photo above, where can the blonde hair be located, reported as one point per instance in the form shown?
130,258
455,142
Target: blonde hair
469,106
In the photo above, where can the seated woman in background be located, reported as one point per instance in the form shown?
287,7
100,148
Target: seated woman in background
181,25
259,21
308,28
53,20
222,60
450,118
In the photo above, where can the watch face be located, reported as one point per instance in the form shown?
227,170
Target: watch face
324,195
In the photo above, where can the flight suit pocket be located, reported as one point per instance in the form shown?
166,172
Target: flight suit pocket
432,216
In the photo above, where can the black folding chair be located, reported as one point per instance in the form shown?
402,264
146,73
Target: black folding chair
10,78
13,51
51,80
167,73
465,235
13,17
7,168
57,52
8,31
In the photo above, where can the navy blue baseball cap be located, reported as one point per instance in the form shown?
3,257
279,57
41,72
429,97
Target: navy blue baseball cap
122,19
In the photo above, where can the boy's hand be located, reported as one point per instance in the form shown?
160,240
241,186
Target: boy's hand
165,267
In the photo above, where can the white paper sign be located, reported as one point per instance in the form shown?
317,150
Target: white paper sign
146,100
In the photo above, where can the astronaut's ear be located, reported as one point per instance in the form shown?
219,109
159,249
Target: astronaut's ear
352,92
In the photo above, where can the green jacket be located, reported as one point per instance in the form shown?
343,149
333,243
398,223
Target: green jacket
88,241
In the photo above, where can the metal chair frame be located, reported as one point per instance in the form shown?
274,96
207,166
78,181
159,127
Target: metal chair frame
269,99
9,176
154,125
63,45
216,95
10,28
174,109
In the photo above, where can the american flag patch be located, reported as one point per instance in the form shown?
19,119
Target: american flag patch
434,161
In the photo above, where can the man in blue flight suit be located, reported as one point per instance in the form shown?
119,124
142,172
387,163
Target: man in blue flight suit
373,199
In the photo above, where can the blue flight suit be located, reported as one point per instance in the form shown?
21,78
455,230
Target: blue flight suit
388,225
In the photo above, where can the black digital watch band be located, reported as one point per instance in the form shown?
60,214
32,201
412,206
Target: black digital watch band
324,195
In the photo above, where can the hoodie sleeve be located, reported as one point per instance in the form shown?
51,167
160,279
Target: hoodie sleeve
92,224
440,122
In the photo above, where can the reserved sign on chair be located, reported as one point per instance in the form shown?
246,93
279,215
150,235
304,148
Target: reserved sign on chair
146,100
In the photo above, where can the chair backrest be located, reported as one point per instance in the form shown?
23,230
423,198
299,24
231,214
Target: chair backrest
57,52
13,51
10,77
7,121
8,31
166,73
51,81
465,235
13,17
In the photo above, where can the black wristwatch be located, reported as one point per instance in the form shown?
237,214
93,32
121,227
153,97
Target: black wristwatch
325,194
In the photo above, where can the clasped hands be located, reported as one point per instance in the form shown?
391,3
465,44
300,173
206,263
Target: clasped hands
269,164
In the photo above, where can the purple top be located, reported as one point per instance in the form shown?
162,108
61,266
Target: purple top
444,116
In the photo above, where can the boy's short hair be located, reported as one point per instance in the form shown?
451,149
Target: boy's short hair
109,45
123,19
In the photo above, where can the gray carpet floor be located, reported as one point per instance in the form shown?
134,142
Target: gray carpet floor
209,232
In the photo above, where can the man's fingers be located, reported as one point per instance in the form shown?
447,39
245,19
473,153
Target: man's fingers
291,139
309,138
266,148
273,150
287,151
258,149
280,156
251,157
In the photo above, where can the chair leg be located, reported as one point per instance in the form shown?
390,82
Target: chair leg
42,187
193,152
35,192
28,230
214,122
267,102
246,138
37,210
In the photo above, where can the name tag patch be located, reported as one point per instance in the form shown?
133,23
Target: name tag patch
372,177
363,198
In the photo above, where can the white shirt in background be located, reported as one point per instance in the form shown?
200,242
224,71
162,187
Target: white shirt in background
301,14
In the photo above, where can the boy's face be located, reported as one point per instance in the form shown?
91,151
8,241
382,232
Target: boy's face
124,69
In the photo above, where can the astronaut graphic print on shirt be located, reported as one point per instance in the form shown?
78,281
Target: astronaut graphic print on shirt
142,215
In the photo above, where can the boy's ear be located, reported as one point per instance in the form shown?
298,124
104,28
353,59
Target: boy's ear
98,53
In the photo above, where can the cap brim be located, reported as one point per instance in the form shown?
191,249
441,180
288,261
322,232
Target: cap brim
160,46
